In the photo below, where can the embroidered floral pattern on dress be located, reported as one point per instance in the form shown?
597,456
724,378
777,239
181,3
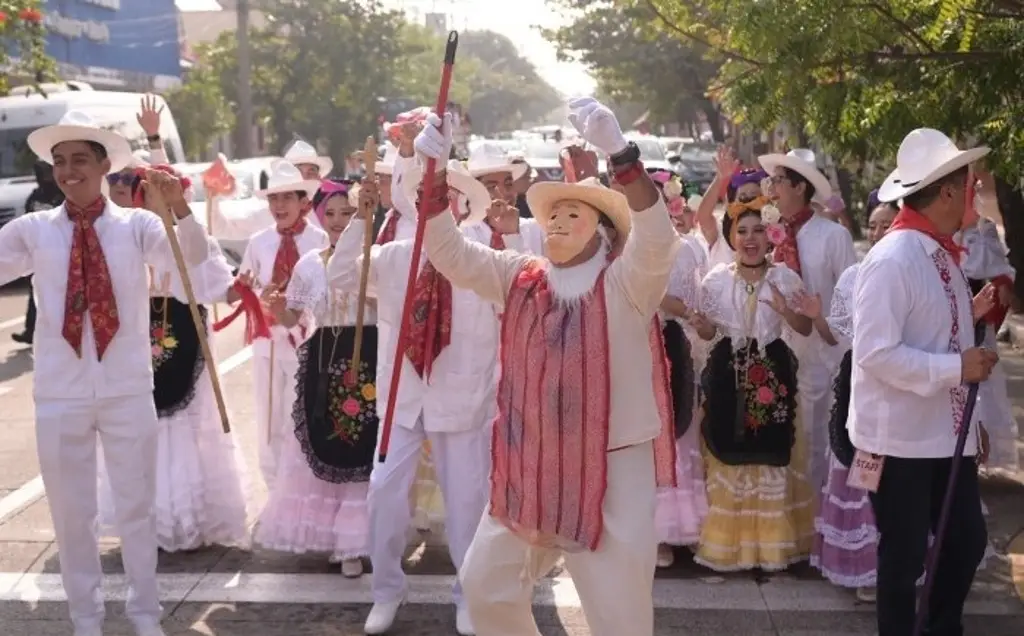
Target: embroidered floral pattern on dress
957,395
766,396
162,342
354,403
89,285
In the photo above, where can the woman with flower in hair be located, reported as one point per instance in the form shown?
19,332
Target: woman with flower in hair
200,497
681,509
734,184
318,502
759,498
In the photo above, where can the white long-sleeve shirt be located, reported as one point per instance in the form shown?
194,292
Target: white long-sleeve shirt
903,368
131,239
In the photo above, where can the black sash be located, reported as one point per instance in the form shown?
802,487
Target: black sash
336,418
178,360
681,380
838,435
730,433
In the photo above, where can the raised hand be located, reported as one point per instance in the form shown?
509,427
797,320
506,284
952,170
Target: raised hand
807,304
503,218
984,301
149,116
726,164
368,199
434,141
598,126
778,300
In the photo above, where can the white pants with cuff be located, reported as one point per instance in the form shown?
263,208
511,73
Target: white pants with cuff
615,583
462,464
275,399
66,433
814,385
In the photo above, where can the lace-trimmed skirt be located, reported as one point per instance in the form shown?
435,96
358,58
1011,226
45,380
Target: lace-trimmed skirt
318,503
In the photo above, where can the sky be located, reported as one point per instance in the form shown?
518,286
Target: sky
517,24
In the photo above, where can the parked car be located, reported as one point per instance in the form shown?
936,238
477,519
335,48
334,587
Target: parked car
695,165
542,156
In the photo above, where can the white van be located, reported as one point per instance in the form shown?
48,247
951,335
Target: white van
26,110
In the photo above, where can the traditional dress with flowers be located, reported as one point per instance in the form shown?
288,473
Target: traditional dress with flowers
200,496
681,510
760,502
318,503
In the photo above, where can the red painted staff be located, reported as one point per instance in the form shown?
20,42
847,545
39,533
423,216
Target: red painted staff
417,249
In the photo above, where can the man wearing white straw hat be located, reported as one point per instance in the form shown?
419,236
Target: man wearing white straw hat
311,164
446,395
573,401
913,354
92,356
267,264
819,251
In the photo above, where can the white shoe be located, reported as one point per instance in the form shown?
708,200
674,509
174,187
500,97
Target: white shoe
352,568
381,618
666,556
867,594
463,625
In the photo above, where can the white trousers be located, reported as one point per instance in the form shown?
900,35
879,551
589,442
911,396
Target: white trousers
275,399
66,433
615,583
462,463
814,392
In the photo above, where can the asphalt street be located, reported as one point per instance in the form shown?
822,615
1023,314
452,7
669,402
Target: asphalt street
229,592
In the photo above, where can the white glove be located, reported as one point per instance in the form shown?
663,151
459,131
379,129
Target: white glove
435,140
597,125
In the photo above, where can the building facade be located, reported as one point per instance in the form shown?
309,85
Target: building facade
126,45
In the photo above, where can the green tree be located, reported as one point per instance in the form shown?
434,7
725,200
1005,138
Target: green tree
857,76
200,108
625,45
23,55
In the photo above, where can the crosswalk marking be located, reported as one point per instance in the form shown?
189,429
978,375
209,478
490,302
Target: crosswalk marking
741,595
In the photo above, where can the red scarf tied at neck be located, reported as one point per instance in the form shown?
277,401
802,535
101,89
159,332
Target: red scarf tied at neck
287,254
788,251
911,219
89,284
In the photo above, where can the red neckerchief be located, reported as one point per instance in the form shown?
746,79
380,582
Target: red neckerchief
287,254
911,219
390,229
89,286
788,252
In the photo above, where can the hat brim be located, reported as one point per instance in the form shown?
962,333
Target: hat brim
43,140
822,187
476,194
516,169
325,164
893,189
309,186
542,197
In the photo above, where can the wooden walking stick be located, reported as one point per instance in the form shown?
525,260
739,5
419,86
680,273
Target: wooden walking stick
209,230
370,161
417,249
197,318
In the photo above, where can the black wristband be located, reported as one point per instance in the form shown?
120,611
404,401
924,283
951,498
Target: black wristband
630,155
153,139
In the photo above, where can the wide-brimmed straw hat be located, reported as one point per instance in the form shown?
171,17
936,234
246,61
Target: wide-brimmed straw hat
542,197
285,177
925,156
490,158
474,193
76,125
301,152
803,162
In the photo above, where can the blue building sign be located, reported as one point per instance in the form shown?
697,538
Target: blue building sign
115,44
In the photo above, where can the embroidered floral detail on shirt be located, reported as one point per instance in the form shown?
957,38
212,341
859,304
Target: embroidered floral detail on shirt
957,395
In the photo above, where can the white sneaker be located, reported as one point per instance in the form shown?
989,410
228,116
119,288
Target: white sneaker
381,618
867,594
666,556
463,625
352,568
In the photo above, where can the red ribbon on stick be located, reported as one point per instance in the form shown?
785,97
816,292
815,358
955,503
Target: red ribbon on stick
417,250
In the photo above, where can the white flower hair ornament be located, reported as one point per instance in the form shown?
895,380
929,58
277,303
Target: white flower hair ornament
771,215
672,188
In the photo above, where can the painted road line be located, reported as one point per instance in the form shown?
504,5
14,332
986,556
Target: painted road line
28,494
742,595
13,322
